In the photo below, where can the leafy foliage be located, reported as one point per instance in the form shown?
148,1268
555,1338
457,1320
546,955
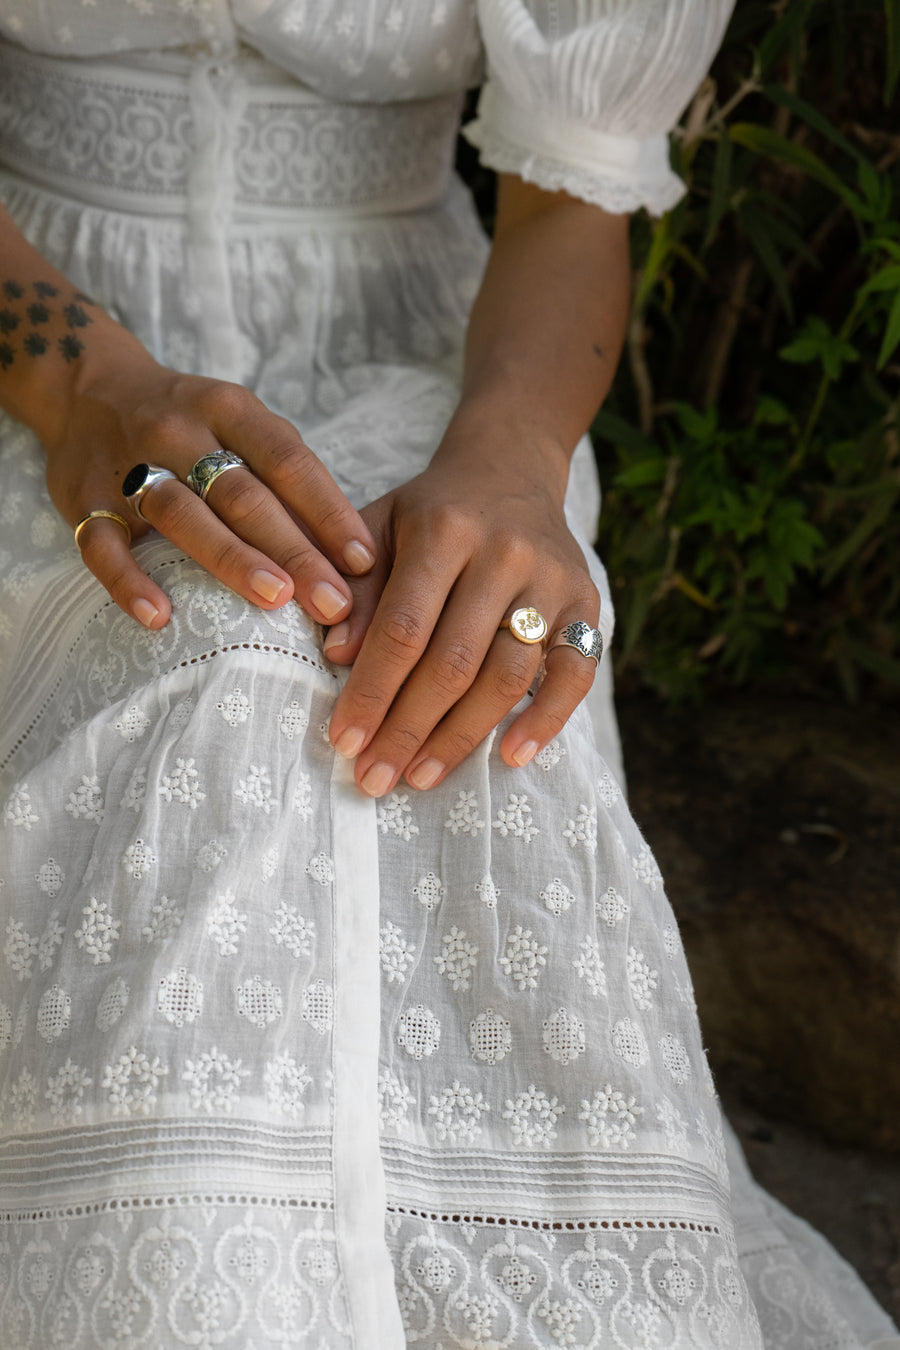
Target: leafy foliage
749,449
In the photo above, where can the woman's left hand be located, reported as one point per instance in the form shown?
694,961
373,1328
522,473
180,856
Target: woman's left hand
461,547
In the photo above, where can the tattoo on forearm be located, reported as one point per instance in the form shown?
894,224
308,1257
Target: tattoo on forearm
21,315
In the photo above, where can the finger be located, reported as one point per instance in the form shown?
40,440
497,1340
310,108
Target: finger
410,607
467,666
247,506
278,455
568,679
344,640
105,550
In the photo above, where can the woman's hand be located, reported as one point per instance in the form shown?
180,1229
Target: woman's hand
460,548
277,529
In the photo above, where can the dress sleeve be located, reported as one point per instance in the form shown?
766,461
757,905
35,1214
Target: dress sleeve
580,95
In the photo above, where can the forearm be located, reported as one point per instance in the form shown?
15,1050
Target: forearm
546,328
52,337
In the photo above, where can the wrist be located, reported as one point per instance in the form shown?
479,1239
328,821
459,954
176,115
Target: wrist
490,435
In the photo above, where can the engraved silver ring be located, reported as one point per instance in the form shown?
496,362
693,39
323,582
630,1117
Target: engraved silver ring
581,636
139,480
209,467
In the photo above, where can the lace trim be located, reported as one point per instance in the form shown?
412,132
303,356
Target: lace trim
613,195
554,1225
132,1203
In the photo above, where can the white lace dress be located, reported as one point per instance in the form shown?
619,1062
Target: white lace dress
280,1065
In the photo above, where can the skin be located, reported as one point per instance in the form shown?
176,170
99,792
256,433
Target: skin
416,585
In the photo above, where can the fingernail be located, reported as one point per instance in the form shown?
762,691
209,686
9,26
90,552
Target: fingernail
426,774
327,599
350,742
358,557
378,779
337,637
144,612
267,584
525,753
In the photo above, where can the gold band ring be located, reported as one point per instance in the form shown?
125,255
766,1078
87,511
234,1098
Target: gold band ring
101,515
527,624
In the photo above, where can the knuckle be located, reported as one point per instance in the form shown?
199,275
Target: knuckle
225,402
461,741
455,667
162,435
403,633
512,680
239,497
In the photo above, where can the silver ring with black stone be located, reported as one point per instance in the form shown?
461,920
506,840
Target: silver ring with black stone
139,481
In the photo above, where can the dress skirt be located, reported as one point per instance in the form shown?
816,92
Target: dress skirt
281,1065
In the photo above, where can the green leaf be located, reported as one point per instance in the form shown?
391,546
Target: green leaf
812,117
891,334
877,514
757,228
764,141
621,433
816,342
721,190
887,279
642,473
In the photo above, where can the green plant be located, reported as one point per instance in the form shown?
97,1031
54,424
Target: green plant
749,450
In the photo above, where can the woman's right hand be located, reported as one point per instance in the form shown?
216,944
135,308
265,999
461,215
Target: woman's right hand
278,528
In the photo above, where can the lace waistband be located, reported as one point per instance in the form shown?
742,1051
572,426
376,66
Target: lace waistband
164,142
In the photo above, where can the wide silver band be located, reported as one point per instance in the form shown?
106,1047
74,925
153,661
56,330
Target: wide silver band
140,479
209,467
581,636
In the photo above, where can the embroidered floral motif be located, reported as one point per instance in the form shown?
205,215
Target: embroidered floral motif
490,1037
291,931
98,931
457,959
464,815
132,724
50,877
292,721
65,1093
608,790
18,809
610,1117
112,1004
457,1111
646,869
182,785
557,897
564,1036
318,1006
394,816
487,892
429,891
583,829
286,1081
642,981
397,955
269,864
259,1001
256,789
136,792
395,1100
589,967
132,1081
86,802
514,819
210,855
138,859
674,1126
321,869
6,1026
226,924
524,958
235,708
611,907
532,1118
180,997
50,939
629,1042
675,1057
213,1081
165,918
54,1013
550,756
419,1031
20,948
671,942
20,1100
301,802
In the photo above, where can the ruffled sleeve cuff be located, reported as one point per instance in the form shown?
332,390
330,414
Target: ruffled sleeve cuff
619,173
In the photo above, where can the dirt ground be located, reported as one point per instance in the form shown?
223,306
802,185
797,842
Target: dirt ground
775,822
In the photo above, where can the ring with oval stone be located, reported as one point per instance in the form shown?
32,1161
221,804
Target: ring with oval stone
210,467
139,481
526,624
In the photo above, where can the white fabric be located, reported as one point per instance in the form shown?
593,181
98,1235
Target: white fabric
280,1065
